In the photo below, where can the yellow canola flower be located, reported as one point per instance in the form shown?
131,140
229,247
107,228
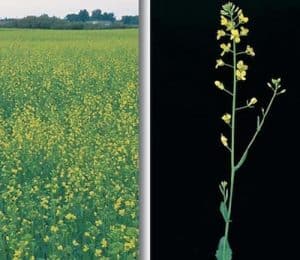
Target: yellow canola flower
244,31
220,34
224,140
250,51
220,63
253,101
75,243
241,71
235,35
228,24
17,254
54,229
242,66
60,248
241,75
225,47
46,239
104,243
224,20
226,118
85,248
219,85
98,252
243,19
70,216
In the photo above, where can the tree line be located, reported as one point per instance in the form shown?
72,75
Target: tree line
81,20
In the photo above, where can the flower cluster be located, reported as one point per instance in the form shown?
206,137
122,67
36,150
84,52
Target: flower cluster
233,23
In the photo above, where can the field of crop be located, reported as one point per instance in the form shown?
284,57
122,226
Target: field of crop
69,144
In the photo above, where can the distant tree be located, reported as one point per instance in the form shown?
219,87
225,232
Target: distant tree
108,17
130,20
72,17
83,15
96,15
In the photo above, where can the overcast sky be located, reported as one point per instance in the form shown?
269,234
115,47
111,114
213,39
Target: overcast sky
21,8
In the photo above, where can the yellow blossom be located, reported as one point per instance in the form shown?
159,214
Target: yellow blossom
241,70
230,26
60,248
85,248
98,252
75,243
242,66
250,51
46,239
98,223
220,34
70,216
243,19
224,20
224,140
220,63
104,243
244,31
226,118
54,229
235,35
121,212
241,75
225,48
219,85
17,254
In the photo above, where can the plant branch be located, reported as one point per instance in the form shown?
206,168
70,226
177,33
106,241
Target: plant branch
260,124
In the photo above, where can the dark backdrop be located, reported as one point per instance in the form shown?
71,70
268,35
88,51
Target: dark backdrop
188,161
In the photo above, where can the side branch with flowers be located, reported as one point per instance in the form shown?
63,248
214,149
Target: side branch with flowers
233,30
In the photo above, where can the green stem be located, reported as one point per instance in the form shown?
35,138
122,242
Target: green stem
232,175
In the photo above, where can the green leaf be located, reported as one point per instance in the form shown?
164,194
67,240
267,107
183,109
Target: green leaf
224,251
241,162
224,211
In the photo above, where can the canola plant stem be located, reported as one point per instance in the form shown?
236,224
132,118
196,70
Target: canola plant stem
232,159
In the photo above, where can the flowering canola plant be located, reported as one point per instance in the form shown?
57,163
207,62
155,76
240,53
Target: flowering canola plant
232,34
69,144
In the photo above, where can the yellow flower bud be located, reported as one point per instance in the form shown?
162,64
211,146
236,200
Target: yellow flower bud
220,63
219,85
224,140
253,101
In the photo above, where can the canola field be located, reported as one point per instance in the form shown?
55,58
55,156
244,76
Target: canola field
69,144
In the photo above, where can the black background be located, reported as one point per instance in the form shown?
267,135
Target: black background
188,161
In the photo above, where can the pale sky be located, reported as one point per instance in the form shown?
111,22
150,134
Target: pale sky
60,8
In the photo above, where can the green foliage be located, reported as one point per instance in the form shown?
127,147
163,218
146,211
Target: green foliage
224,211
224,251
